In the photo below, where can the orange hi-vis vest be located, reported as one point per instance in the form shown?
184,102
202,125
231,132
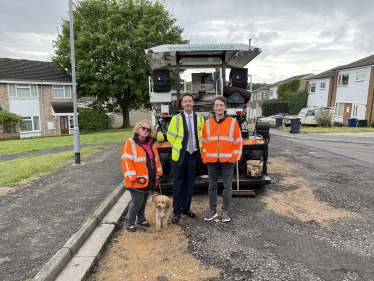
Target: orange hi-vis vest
222,140
135,164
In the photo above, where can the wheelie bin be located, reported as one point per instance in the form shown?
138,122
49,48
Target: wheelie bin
295,125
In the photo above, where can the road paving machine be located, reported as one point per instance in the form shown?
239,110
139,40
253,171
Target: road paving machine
166,102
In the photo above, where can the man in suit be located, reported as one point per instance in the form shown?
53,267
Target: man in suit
185,136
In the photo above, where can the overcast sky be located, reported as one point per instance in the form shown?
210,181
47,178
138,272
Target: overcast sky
296,37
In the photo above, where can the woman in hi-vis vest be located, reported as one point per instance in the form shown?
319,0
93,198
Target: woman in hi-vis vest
141,167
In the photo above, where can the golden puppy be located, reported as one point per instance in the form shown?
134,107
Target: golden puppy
161,210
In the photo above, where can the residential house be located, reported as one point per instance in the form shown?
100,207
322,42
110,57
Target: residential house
258,96
352,94
273,88
320,88
40,93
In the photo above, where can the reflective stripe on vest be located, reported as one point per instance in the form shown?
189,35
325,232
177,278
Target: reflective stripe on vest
136,159
129,173
237,140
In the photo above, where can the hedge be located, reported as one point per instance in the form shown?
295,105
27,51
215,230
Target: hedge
94,121
274,106
9,120
297,101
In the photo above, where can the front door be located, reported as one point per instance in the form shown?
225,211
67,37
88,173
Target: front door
64,125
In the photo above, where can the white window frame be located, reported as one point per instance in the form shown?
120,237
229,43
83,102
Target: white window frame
355,110
337,109
31,118
340,80
360,76
323,86
271,93
22,86
64,88
312,88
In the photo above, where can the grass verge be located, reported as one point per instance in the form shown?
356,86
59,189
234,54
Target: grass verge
322,130
30,167
34,144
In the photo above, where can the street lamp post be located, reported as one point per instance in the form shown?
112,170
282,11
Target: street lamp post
76,129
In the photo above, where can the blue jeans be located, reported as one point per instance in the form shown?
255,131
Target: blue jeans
137,208
227,171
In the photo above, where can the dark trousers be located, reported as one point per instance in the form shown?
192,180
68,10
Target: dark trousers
184,183
137,208
227,171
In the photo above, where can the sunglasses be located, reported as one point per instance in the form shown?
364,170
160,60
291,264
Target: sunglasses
146,129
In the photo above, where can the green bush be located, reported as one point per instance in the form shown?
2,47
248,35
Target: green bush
274,106
324,117
94,121
372,124
10,120
297,101
339,124
286,89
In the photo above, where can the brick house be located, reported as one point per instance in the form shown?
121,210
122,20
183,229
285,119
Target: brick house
38,92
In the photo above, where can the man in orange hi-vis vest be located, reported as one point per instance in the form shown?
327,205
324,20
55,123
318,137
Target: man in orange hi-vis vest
222,147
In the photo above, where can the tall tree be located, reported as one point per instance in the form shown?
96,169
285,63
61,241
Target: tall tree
110,37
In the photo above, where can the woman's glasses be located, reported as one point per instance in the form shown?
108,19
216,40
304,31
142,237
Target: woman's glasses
146,129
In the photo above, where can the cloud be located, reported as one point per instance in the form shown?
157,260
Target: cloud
295,36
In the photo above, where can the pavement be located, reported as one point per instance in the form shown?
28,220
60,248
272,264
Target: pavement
45,224
66,198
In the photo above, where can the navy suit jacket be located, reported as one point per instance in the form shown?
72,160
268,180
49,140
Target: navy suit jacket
185,141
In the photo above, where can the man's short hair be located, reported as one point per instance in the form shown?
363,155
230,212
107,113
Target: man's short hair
221,98
187,94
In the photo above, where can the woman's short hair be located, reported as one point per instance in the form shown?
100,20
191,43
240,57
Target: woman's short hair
220,98
152,133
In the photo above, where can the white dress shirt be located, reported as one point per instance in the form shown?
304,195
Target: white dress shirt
193,129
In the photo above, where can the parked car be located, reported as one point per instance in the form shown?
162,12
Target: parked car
307,115
272,119
283,114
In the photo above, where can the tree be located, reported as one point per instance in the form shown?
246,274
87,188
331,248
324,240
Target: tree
256,86
110,38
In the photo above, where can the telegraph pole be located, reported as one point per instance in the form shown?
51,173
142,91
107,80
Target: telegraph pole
77,148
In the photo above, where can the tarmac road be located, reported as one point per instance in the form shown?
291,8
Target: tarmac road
314,222
359,154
